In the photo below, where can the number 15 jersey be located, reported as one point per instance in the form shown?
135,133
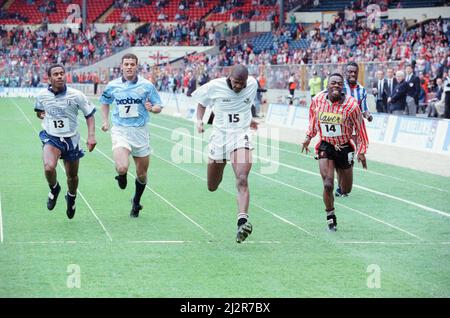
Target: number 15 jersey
232,111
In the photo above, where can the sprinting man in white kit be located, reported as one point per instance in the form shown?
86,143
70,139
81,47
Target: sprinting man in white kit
231,99
58,107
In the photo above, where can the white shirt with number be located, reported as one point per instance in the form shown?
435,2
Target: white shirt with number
232,111
61,111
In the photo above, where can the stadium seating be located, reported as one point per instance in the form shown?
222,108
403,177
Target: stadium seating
34,15
335,5
246,10
148,13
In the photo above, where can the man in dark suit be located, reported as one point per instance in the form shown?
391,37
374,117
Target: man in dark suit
412,99
398,100
391,85
379,87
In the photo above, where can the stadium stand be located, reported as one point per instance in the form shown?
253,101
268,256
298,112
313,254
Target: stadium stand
35,12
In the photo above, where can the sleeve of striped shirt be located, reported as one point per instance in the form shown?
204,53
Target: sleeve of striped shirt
312,128
364,106
360,129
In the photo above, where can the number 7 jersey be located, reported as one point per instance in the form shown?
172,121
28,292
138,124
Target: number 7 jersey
335,121
232,111
61,111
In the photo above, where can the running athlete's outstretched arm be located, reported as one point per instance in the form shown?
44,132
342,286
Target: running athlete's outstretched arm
200,112
91,142
39,109
106,99
105,117
361,135
312,129
153,103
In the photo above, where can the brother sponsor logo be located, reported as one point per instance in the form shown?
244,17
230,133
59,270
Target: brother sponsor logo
128,101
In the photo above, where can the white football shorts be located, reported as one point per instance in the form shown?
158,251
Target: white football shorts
222,143
135,139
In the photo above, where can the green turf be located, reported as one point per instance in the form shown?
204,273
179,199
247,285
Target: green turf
187,248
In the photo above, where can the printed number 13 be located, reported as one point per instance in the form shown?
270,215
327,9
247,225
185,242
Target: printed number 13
58,123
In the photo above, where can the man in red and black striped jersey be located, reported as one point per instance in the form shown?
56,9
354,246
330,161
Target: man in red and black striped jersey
335,115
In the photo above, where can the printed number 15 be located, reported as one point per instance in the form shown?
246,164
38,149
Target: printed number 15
233,118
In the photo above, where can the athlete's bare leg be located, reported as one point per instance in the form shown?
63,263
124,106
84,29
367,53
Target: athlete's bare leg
215,173
242,164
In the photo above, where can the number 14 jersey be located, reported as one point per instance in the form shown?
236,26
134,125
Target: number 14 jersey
335,121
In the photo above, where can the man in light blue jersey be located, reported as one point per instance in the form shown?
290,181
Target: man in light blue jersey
58,108
134,98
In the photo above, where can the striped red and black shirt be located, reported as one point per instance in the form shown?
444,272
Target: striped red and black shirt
335,122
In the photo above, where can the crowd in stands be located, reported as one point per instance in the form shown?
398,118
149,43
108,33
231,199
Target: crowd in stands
24,53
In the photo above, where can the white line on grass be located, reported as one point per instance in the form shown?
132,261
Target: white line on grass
51,242
311,157
1,220
159,242
385,243
342,205
221,187
418,205
61,166
160,196
317,196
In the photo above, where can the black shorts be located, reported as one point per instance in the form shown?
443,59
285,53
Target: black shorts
343,158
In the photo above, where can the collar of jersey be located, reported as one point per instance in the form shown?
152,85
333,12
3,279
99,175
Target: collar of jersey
356,85
132,82
50,88
329,101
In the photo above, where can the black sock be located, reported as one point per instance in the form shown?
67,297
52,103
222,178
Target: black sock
140,187
71,198
54,189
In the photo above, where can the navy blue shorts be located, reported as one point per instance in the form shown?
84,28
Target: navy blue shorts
70,150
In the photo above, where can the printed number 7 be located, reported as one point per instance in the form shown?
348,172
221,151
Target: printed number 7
128,109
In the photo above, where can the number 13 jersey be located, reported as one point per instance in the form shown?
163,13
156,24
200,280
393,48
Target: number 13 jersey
232,111
61,110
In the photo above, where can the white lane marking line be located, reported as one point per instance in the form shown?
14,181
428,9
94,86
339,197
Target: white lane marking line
221,187
342,205
311,157
418,205
95,215
160,196
1,220
318,196
389,243
90,208
52,242
159,242
61,166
